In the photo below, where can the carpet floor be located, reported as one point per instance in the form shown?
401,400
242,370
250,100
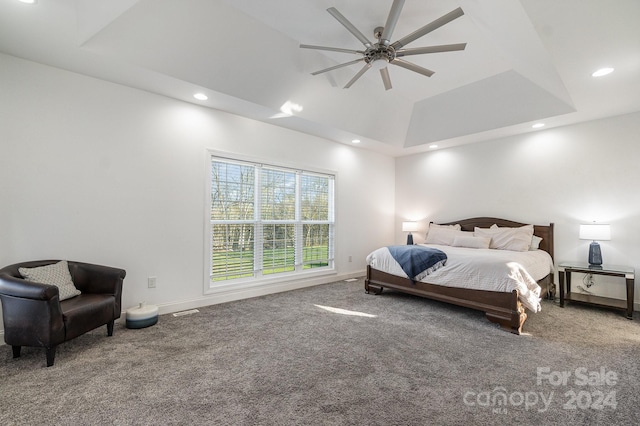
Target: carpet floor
333,355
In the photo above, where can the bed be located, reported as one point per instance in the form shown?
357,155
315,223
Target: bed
505,308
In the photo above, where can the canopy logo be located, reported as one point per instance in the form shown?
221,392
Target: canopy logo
582,389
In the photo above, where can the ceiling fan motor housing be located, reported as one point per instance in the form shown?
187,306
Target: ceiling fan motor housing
378,51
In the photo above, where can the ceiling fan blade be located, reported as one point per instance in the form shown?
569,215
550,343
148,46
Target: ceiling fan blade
445,19
357,76
346,64
384,72
412,67
349,26
392,19
431,49
331,49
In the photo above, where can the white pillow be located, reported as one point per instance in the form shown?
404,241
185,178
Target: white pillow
438,237
516,239
472,242
535,240
56,274
457,226
444,236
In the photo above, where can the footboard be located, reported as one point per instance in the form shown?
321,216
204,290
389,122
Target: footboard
504,309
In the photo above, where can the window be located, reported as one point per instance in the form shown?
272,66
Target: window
267,220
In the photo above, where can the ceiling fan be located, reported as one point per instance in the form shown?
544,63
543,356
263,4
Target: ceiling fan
384,52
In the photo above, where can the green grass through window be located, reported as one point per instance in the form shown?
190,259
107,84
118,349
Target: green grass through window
229,265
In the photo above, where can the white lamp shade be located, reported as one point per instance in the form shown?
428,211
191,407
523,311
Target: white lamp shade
409,226
595,232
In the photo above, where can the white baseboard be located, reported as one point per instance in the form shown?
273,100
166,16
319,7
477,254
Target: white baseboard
247,293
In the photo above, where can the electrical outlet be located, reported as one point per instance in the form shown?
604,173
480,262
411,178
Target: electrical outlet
350,259
151,282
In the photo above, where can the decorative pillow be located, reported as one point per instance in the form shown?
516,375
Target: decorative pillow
472,242
535,242
516,239
56,274
444,236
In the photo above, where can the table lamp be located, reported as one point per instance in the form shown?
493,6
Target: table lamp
409,227
593,232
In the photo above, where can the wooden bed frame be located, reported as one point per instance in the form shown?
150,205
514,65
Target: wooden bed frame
502,308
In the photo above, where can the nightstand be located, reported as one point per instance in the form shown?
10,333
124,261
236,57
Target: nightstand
626,272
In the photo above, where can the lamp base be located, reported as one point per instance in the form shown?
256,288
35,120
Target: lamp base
595,255
409,240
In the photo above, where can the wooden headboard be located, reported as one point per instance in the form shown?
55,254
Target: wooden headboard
543,231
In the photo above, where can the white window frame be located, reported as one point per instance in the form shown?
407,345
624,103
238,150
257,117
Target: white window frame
258,279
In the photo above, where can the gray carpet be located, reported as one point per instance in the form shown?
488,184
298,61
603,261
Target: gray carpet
282,360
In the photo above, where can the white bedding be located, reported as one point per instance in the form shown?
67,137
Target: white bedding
481,269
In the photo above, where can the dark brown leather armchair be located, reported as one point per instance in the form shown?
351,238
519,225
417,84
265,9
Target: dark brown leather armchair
34,316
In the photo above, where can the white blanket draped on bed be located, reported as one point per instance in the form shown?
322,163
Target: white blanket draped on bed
481,269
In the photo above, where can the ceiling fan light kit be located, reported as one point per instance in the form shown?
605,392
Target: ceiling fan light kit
378,55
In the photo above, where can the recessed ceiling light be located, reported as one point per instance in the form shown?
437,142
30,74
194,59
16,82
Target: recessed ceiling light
289,108
538,125
201,96
433,146
28,1
355,141
602,71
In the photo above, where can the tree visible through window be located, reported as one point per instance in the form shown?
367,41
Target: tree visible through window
268,220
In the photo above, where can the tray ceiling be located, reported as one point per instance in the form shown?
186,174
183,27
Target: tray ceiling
525,61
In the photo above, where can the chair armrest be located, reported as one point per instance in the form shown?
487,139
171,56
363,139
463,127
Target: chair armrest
31,312
18,287
98,279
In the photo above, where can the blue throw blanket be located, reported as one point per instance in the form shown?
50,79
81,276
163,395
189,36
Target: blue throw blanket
415,260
